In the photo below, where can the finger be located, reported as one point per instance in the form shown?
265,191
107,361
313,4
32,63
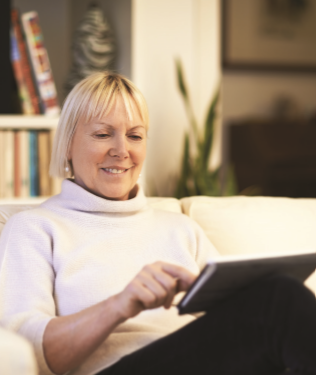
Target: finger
168,282
154,286
184,276
170,285
141,294
169,299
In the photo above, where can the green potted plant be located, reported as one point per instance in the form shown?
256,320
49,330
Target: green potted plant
195,177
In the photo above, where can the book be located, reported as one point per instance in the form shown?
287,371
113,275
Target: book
33,154
56,181
17,167
24,164
24,96
8,147
43,162
24,62
228,275
40,63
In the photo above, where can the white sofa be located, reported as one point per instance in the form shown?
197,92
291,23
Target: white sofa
16,355
235,225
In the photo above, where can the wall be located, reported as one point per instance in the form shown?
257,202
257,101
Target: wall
252,94
162,31
286,26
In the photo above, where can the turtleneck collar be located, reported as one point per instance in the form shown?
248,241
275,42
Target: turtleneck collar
74,197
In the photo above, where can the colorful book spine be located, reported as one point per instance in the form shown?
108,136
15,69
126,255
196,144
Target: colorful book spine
33,153
40,63
43,163
56,181
24,164
17,167
25,64
8,163
25,99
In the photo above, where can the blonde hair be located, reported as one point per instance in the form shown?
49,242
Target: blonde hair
93,97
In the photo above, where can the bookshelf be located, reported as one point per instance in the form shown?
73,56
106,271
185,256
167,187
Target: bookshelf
67,16
29,122
23,201
15,122
20,175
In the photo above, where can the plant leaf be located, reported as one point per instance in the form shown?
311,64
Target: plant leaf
230,187
185,95
208,132
195,178
180,80
183,189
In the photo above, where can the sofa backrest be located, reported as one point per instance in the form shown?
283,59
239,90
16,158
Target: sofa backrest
243,225
239,225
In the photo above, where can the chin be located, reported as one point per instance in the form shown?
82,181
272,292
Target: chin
115,195
117,192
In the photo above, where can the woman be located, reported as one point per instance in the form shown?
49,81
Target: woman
89,277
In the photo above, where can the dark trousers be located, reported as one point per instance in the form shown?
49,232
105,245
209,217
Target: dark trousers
268,329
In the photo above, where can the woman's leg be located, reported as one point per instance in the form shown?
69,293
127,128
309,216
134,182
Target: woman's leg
262,330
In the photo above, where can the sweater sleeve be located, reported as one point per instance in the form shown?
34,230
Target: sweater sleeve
205,250
27,281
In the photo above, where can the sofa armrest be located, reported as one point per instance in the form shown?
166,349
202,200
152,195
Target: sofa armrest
16,355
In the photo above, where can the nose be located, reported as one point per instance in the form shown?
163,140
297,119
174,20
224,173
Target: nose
119,147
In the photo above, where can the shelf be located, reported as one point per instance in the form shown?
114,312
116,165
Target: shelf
23,201
28,122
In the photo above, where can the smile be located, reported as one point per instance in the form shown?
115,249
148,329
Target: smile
114,171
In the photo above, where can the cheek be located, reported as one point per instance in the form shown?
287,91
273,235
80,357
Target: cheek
87,154
140,154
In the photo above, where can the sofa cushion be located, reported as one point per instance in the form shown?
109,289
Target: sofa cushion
167,204
16,354
241,225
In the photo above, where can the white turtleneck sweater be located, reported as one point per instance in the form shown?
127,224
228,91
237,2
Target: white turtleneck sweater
77,249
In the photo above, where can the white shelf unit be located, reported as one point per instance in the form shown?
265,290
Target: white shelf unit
30,122
23,201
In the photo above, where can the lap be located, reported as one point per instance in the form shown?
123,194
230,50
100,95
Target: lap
237,336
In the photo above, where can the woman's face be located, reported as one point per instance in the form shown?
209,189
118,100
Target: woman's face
107,154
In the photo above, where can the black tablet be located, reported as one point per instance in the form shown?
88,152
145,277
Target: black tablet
226,275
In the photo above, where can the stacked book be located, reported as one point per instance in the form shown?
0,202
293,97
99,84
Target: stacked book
24,163
31,67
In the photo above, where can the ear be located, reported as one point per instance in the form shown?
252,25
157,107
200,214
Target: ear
71,142
69,154
69,150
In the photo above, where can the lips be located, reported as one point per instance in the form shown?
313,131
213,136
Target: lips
115,171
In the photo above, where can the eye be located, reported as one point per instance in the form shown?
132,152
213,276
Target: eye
102,136
136,137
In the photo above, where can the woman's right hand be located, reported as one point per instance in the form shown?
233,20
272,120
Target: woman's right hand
68,340
154,286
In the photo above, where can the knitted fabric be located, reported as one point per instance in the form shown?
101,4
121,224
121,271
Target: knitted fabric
76,250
